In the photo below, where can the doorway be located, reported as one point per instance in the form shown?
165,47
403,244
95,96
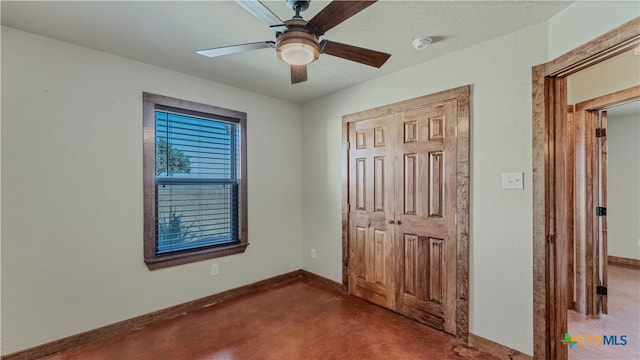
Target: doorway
617,311
550,164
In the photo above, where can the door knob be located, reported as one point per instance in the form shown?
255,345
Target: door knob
391,222
399,222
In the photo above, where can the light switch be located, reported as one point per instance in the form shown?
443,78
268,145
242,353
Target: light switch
513,181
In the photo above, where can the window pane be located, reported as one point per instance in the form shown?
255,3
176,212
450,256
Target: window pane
195,215
191,147
196,185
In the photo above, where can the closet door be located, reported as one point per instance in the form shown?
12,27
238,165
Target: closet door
371,205
425,183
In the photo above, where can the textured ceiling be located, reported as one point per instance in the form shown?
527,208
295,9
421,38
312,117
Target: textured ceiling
168,33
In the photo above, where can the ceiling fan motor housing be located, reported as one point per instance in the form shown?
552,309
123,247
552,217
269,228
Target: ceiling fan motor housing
297,45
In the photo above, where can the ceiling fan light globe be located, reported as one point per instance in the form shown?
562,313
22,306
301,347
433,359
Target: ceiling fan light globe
297,54
297,48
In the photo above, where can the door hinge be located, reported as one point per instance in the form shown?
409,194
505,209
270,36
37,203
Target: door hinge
456,132
601,211
551,239
601,132
601,290
348,145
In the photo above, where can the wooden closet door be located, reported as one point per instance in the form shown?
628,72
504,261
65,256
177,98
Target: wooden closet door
425,182
371,192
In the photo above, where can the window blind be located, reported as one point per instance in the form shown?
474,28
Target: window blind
196,182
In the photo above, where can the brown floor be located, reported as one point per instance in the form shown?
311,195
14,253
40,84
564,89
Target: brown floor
297,320
623,319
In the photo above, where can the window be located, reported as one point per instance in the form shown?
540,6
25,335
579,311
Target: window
195,182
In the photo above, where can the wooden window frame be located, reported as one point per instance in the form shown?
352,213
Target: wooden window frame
151,259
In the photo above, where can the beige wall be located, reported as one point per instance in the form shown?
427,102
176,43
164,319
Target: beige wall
501,221
618,73
584,20
72,191
72,184
623,194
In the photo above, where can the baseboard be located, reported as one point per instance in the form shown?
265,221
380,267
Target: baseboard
616,260
324,281
498,350
140,321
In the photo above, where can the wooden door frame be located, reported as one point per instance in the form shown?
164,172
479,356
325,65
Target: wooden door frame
462,96
550,161
586,188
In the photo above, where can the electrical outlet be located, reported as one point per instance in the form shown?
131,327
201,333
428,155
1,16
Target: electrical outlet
215,270
313,253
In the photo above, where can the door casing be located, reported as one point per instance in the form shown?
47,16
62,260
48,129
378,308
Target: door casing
550,163
587,188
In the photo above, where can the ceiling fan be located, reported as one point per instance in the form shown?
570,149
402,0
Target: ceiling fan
297,41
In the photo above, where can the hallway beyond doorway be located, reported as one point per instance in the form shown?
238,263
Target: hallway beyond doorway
623,319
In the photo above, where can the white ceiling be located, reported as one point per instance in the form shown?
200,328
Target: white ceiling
168,33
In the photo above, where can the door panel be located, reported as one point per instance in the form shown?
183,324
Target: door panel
402,189
602,220
371,192
425,224
405,178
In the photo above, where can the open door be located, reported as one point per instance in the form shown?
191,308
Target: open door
591,210
601,212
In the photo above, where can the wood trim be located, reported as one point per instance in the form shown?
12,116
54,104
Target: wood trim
570,194
498,350
615,98
616,260
590,245
345,204
151,103
139,322
439,97
603,47
463,180
559,223
317,279
614,42
539,174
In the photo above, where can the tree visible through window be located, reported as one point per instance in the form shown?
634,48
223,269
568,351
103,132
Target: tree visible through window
195,183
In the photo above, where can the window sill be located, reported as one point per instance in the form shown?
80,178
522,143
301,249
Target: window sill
193,256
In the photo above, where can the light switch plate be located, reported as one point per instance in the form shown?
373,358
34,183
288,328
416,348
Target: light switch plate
513,181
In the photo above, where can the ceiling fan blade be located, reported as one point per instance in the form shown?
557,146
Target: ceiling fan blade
354,53
259,10
336,12
233,49
298,73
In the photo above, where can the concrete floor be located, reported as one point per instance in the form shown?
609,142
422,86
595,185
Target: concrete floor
300,319
623,319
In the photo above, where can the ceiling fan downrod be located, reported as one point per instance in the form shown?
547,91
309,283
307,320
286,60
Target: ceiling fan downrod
298,6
